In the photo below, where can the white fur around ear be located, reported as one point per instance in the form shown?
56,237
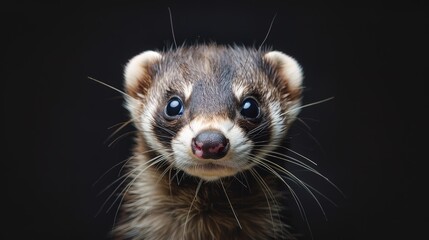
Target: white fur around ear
287,67
137,71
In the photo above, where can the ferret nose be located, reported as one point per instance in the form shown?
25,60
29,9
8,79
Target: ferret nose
210,144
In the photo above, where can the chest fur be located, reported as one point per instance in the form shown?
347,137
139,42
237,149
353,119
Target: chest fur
171,208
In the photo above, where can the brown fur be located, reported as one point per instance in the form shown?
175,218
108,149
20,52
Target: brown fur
160,200
157,208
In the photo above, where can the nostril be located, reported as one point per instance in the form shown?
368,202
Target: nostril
210,144
198,145
197,148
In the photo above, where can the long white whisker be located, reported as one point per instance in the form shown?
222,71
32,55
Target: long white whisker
307,105
114,182
290,159
261,163
190,207
303,123
297,162
120,137
111,87
166,130
110,169
302,183
128,186
141,153
125,177
241,182
119,129
268,33
288,149
230,204
301,209
172,28
167,169
315,190
264,188
136,131
258,128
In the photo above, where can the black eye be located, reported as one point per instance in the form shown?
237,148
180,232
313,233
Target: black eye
250,108
174,107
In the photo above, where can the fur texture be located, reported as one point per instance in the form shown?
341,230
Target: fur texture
173,194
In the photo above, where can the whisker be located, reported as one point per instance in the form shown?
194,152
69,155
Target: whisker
139,154
137,131
247,182
120,137
297,162
124,178
230,204
307,105
119,124
110,169
190,207
265,190
151,163
119,163
258,128
315,140
111,87
317,191
268,33
169,181
166,130
236,178
261,126
303,123
261,163
292,160
294,195
128,186
119,129
288,149
167,169
172,28
157,135
298,181
116,181
179,180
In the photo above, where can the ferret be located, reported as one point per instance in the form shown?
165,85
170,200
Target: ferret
208,161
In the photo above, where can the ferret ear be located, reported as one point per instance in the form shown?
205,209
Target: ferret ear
139,73
288,71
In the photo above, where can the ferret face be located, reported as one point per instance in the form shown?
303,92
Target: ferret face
213,111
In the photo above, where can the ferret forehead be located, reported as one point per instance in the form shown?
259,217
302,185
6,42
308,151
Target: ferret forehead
212,77
211,64
211,57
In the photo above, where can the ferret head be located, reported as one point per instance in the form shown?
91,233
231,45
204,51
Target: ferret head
213,111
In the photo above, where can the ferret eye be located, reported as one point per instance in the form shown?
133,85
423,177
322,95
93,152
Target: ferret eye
174,108
250,108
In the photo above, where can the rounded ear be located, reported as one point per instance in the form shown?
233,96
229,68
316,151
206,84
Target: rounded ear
139,73
288,71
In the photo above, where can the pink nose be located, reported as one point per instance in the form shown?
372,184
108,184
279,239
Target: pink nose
210,144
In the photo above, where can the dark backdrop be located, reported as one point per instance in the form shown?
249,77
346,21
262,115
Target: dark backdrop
370,57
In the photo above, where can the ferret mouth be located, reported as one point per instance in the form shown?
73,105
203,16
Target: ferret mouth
211,171
211,166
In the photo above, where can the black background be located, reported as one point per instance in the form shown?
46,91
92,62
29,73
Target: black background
370,57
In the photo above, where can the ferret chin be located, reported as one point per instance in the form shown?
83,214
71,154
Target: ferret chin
209,154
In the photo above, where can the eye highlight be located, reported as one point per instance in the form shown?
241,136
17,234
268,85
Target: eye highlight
250,108
174,108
